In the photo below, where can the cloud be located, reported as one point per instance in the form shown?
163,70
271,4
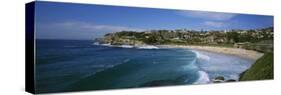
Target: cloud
208,15
77,30
93,27
214,24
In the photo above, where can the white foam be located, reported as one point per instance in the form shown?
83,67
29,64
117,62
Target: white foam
203,78
96,43
105,44
201,56
147,47
126,46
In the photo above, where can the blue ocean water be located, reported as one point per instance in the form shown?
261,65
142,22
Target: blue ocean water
69,65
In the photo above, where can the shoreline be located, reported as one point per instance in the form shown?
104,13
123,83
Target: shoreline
248,54
242,53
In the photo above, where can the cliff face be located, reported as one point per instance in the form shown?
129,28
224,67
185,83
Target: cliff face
261,70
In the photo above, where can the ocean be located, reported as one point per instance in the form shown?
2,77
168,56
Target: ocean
72,65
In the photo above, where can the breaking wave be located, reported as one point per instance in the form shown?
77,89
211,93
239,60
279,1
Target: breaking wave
201,56
203,78
147,47
128,46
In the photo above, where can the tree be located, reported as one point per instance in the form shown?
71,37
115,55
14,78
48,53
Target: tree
232,36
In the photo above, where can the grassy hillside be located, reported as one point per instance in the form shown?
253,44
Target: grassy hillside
262,69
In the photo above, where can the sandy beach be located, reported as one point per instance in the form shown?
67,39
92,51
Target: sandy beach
249,54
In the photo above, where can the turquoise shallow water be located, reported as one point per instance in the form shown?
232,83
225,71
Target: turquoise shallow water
70,65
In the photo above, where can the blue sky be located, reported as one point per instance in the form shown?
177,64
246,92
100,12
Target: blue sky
83,21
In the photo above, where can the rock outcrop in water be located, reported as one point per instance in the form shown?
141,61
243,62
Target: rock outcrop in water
230,80
221,79
218,79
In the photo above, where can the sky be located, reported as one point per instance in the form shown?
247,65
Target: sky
85,21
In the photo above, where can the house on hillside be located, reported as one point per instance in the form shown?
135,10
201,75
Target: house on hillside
240,45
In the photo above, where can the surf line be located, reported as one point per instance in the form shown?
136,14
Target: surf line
203,77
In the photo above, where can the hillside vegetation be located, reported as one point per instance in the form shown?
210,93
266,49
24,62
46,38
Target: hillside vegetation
261,70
